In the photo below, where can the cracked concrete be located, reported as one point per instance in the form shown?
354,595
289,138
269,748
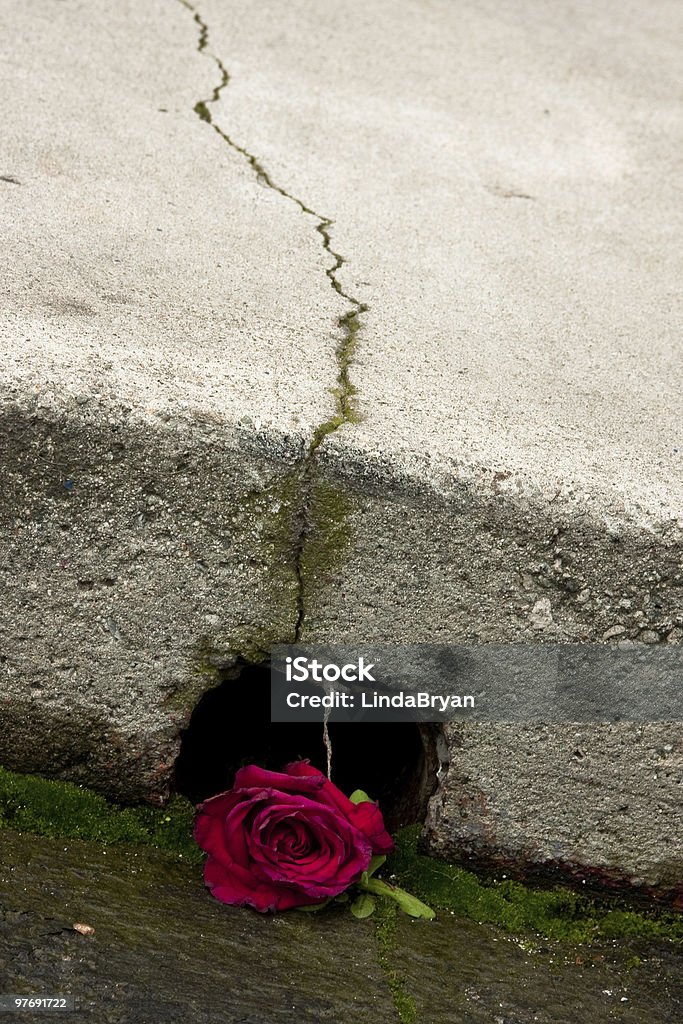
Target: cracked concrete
169,335
515,472
349,322
203,453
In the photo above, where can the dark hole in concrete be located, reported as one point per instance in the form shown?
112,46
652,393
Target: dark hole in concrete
394,763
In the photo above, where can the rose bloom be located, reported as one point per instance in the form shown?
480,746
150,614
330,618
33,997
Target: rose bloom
286,839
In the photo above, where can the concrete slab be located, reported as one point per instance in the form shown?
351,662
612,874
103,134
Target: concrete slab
461,972
503,186
444,405
168,336
164,951
144,264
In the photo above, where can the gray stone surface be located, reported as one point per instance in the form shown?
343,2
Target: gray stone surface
516,471
502,186
168,341
600,804
475,568
116,593
460,972
163,950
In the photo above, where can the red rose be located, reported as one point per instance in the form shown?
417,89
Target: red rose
286,839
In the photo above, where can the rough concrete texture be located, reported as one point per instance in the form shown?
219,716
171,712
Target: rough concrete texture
164,951
168,339
501,185
476,568
625,782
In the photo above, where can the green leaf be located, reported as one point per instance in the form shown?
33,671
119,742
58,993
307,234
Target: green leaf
408,904
363,905
360,797
313,908
412,905
375,865
343,897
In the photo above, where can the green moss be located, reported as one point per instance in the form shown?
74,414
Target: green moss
344,391
272,515
203,675
212,660
323,429
267,523
385,918
61,809
202,111
557,913
241,645
29,803
329,532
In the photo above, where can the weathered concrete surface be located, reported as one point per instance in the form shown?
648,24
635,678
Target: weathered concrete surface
473,567
168,339
626,782
502,184
463,973
163,950
502,187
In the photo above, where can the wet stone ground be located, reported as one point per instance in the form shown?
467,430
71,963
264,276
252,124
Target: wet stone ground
164,951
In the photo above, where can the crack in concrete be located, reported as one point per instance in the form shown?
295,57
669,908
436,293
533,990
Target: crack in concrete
349,322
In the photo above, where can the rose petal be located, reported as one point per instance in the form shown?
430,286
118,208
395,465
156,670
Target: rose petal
368,818
339,852
238,890
253,777
209,826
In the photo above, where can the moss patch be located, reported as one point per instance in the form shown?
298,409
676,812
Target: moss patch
29,803
268,523
271,516
214,661
386,915
344,391
329,533
557,913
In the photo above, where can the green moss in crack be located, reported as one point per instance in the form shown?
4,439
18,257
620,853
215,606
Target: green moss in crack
202,111
323,429
344,391
385,924
558,913
266,525
46,807
329,532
